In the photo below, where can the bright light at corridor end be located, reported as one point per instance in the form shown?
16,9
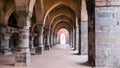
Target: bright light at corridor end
62,36
62,39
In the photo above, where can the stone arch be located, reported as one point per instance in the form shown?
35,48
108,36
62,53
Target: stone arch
58,16
54,6
66,22
7,15
54,20
33,27
62,22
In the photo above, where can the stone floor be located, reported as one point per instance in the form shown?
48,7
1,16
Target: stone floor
60,56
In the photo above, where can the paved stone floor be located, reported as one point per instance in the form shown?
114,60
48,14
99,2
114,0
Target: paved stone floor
60,56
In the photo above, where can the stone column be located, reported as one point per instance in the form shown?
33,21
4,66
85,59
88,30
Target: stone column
84,37
91,31
50,36
74,38
70,39
52,39
5,44
77,38
79,31
31,42
47,41
39,48
22,55
91,40
55,38
108,33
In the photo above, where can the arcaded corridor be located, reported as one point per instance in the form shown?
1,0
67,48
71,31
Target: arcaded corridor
31,29
61,56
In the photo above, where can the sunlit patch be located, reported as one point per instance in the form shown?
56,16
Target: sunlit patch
62,36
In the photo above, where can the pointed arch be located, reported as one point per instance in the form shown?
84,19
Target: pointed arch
54,6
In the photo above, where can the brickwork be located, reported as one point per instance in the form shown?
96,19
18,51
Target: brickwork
108,33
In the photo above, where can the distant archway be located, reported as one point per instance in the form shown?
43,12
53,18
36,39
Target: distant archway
62,39
63,36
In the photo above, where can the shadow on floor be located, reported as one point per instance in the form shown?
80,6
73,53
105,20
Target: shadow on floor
84,63
9,64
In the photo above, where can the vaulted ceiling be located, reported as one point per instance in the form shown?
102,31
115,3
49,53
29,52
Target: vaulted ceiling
52,14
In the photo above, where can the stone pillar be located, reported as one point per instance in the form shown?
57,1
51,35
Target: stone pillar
55,38
4,40
70,39
50,36
52,39
108,33
31,42
5,44
77,38
91,40
74,38
22,54
47,43
91,31
79,30
39,48
84,37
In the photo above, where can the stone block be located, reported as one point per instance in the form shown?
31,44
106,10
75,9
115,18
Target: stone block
117,15
105,14
117,34
100,3
108,62
118,9
105,21
114,3
22,58
100,54
109,40
103,51
100,63
108,9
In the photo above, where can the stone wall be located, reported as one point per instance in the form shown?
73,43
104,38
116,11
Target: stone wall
107,33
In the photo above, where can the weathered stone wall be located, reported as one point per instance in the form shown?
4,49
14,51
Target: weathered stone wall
84,37
108,33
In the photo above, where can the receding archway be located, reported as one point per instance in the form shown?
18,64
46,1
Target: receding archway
62,36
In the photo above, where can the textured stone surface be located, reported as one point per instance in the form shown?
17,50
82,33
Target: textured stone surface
84,37
22,58
107,35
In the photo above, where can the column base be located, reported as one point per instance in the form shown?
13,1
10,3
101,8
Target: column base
39,50
47,47
91,61
7,51
22,58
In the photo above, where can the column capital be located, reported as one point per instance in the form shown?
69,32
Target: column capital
39,28
23,22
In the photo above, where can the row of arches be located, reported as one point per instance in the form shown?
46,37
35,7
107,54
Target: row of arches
38,19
